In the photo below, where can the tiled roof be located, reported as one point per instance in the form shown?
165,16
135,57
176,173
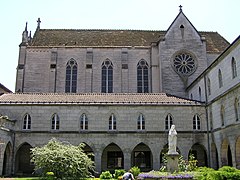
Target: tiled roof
4,89
113,38
95,99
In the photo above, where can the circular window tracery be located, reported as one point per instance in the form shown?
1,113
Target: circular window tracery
184,63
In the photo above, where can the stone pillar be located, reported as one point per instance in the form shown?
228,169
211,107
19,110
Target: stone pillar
98,164
156,160
1,157
172,162
127,160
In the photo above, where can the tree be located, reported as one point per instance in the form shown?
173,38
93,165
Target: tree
63,159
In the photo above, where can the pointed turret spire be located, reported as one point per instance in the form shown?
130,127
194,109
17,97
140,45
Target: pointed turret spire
38,23
26,26
25,35
30,36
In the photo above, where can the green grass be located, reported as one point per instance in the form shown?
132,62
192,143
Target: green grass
36,178
26,178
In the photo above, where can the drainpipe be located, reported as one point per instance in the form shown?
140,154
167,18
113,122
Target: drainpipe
207,120
13,153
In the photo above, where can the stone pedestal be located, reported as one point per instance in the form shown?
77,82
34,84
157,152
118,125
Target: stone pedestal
172,162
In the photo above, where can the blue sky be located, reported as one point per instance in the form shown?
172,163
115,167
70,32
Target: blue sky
206,15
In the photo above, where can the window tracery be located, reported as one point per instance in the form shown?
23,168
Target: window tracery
184,63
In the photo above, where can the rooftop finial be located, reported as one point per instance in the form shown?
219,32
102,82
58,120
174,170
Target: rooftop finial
180,8
26,26
39,22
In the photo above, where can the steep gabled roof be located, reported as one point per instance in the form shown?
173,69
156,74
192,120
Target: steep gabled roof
4,89
113,38
179,14
94,99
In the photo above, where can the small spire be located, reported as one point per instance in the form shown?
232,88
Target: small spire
25,35
26,26
30,36
180,8
39,22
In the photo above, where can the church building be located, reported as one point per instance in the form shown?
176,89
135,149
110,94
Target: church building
119,92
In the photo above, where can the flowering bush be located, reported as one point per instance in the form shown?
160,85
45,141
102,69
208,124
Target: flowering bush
158,175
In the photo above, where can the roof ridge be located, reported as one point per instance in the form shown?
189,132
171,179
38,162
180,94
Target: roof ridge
68,94
102,30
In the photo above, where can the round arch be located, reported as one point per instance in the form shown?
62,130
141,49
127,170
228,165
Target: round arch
226,153
199,152
142,157
112,158
22,160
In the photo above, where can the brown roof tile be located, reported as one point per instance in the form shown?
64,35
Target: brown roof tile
113,38
95,99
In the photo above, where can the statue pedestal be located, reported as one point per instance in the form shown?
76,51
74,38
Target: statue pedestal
172,162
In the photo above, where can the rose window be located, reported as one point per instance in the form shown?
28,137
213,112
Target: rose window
184,64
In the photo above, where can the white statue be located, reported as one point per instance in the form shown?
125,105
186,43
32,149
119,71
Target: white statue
172,140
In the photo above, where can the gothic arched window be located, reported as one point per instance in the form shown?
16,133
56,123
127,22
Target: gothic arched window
211,119
84,122
196,122
237,109
141,122
55,122
209,86
27,122
71,77
222,115
234,68
200,93
168,121
220,81
142,77
107,76
112,122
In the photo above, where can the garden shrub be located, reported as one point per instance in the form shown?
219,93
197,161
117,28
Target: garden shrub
229,173
192,163
135,171
204,173
182,164
64,160
118,173
106,175
49,175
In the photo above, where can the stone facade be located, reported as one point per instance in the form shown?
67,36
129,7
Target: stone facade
223,105
158,78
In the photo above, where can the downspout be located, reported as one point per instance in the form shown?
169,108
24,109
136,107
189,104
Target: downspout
150,88
13,153
207,121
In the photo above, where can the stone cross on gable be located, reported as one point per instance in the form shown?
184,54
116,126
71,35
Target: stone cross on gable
180,8
39,22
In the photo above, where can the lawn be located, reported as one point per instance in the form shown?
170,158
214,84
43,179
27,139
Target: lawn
30,178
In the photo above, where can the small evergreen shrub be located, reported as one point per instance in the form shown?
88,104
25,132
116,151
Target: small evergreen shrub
228,172
204,173
106,175
50,176
135,171
118,173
